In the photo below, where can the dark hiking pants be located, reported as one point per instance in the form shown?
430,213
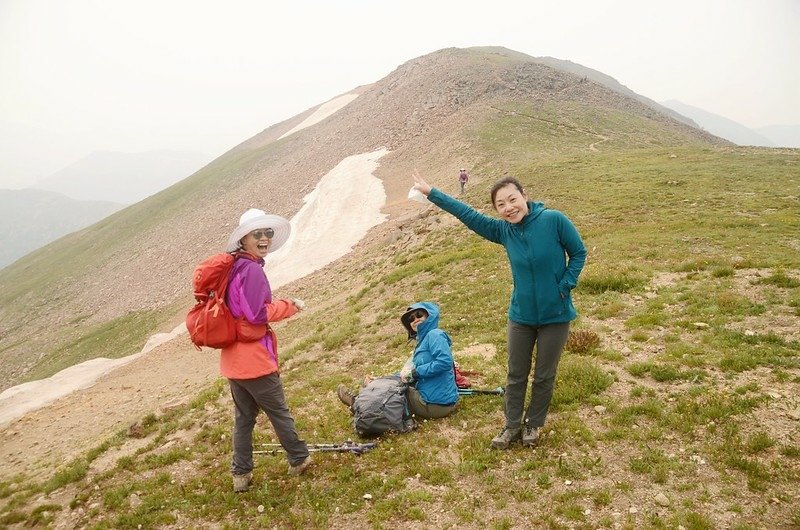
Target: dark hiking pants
549,340
262,393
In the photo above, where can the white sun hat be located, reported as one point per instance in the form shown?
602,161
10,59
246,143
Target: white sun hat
253,219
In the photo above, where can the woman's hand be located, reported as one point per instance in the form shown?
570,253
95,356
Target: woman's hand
420,185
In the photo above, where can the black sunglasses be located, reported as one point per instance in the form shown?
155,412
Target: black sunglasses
267,232
419,313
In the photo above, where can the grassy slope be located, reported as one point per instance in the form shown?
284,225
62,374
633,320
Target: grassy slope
34,294
33,284
690,411
78,253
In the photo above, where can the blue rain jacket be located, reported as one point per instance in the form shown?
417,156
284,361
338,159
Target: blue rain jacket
433,360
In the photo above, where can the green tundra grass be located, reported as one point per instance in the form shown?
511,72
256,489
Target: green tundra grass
692,286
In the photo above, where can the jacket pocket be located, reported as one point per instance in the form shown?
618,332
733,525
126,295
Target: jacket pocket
247,332
558,301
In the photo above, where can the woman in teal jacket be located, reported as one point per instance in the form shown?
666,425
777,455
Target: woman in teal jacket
546,255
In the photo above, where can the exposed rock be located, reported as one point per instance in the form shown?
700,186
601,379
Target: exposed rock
134,500
661,499
136,430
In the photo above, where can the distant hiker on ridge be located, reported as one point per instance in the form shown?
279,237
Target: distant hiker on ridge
463,178
251,363
538,242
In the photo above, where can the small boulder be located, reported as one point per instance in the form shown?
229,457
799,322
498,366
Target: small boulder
134,500
661,499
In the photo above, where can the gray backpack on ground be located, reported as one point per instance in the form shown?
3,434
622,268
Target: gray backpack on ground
381,407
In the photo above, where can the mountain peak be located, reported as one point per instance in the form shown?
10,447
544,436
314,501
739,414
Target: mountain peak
490,109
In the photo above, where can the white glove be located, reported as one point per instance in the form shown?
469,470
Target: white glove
408,365
299,304
417,196
405,372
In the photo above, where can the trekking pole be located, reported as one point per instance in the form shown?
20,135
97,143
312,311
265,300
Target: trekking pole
345,447
499,391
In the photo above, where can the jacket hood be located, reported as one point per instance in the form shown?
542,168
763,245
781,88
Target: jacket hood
534,209
432,322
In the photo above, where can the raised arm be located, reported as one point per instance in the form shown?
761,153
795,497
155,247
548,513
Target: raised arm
420,185
483,225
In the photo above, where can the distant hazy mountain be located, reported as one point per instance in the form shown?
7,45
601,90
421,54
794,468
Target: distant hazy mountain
123,177
719,125
782,135
30,219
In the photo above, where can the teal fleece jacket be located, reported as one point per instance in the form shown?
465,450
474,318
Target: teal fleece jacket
537,249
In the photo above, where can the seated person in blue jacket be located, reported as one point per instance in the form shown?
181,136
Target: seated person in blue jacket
432,391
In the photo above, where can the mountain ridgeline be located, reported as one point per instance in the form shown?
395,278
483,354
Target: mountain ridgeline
103,290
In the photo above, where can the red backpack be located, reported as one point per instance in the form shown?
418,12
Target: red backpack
210,322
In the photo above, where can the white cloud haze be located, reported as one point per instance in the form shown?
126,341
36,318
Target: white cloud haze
78,76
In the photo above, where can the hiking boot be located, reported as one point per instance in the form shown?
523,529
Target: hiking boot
241,483
345,396
299,468
530,435
506,437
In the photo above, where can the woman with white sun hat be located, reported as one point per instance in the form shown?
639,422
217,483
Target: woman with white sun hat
253,219
251,363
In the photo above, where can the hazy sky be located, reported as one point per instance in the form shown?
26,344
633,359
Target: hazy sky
78,76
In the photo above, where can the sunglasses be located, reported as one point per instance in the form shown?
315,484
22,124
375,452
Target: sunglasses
419,313
258,234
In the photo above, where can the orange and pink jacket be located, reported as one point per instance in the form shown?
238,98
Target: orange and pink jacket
249,298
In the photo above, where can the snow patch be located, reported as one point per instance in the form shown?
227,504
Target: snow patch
324,110
335,216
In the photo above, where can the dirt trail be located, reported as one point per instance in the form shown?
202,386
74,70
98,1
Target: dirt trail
593,145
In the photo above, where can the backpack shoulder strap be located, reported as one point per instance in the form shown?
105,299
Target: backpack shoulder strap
225,280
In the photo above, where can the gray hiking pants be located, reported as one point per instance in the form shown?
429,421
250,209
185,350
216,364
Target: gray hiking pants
262,393
418,407
549,340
